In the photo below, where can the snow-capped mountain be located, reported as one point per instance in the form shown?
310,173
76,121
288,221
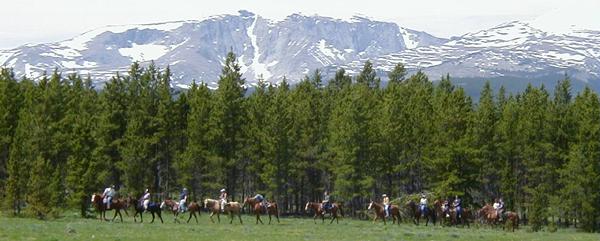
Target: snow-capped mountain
299,44
195,50
513,49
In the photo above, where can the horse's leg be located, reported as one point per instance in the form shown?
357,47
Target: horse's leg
152,217
115,216
160,216
191,212
269,217
315,218
240,217
120,216
375,219
196,217
211,217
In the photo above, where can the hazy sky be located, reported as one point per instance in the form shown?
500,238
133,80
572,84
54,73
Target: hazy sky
37,21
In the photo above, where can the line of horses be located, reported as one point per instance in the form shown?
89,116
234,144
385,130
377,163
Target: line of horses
444,215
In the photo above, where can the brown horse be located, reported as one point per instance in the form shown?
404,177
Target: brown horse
232,208
416,213
488,215
117,205
514,220
318,210
258,208
380,212
442,212
491,217
193,208
464,218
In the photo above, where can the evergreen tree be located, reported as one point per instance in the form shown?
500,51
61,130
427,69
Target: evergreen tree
10,101
228,118
368,76
197,164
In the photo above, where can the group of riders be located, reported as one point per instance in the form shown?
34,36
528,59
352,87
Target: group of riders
110,192
326,205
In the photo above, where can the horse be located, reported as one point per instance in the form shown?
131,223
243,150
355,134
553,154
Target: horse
491,217
514,219
153,208
214,206
442,213
193,208
258,208
416,211
117,205
318,210
380,212
463,219
488,215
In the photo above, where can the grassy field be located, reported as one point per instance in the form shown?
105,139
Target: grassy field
73,228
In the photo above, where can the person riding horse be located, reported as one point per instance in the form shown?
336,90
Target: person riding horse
446,207
108,195
386,205
183,197
145,199
223,198
423,204
261,199
457,207
499,207
326,203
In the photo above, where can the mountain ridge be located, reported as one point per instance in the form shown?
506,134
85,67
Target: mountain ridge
298,44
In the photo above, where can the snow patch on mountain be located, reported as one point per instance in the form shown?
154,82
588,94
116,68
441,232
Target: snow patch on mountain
144,52
258,67
80,42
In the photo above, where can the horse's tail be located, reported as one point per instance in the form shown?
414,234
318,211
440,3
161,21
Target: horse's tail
341,207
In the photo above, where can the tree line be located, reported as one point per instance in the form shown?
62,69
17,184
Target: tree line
61,140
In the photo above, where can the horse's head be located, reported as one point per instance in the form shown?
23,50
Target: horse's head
163,204
370,205
306,206
206,203
96,198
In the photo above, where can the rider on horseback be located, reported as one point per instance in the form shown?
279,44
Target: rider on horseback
325,204
261,200
146,198
108,195
457,206
423,203
386,205
223,198
183,197
499,207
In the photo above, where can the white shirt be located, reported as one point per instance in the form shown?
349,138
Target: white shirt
109,192
496,205
423,201
146,196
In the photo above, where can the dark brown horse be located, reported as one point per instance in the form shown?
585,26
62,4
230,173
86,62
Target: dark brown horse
258,209
117,205
464,218
513,217
417,214
380,212
318,210
193,208
153,208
